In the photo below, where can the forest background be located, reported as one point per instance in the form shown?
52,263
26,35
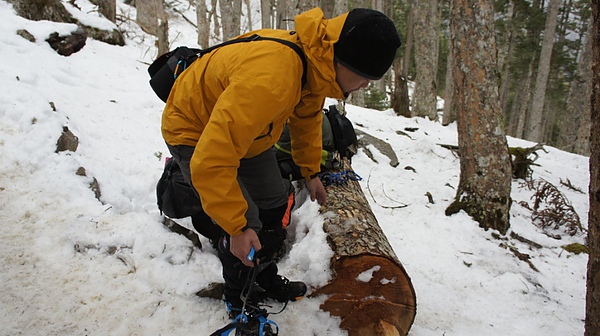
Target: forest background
543,57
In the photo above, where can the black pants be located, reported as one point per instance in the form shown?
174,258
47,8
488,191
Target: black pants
267,195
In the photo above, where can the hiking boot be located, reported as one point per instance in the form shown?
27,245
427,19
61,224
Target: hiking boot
234,304
284,290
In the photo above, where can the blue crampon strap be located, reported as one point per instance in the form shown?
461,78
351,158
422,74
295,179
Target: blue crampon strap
329,178
252,322
241,323
265,321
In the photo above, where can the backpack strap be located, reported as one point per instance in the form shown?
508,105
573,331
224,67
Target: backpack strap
165,69
256,37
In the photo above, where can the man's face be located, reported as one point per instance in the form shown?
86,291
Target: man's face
348,80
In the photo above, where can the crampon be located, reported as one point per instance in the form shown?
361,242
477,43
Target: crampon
252,321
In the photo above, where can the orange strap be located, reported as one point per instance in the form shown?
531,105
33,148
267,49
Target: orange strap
285,221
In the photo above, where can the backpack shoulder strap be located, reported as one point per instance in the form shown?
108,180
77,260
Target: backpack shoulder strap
256,37
165,69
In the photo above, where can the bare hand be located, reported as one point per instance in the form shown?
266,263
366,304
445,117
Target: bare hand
317,191
240,245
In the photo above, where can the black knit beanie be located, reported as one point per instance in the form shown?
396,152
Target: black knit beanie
367,43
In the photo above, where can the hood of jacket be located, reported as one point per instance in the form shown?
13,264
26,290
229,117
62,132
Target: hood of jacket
317,36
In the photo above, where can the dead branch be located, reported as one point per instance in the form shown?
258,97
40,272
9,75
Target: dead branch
571,186
552,210
375,201
525,240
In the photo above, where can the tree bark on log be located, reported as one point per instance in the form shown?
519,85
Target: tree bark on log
371,291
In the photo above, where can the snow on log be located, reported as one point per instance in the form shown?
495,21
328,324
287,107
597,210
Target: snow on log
371,291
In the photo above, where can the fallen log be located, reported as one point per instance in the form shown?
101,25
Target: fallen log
520,159
371,291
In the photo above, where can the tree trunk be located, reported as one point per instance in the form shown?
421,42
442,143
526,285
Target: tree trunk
327,7
503,46
237,17
380,85
212,17
564,21
401,103
485,170
370,306
449,112
227,21
361,4
304,5
523,103
426,59
148,15
248,15
162,36
266,13
51,10
592,316
284,14
358,98
340,7
505,64
576,136
203,24
108,8
230,18
535,129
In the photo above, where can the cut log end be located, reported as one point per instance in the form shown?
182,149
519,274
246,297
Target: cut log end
373,295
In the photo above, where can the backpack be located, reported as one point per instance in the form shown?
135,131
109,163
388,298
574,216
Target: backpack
338,136
344,136
167,67
175,197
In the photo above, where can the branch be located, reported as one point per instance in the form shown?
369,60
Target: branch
374,200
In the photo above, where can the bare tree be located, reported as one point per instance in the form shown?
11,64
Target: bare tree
505,58
304,5
522,103
162,36
380,84
203,24
361,4
449,112
327,7
212,17
284,14
340,7
248,15
149,14
535,126
485,170
592,318
108,8
358,97
576,137
266,13
231,11
426,58
400,100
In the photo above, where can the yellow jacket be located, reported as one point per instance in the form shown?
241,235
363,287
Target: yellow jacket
233,103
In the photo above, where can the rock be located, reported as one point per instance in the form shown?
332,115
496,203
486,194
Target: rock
67,141
26,35
67,45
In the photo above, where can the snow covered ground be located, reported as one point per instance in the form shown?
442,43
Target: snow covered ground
72,265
